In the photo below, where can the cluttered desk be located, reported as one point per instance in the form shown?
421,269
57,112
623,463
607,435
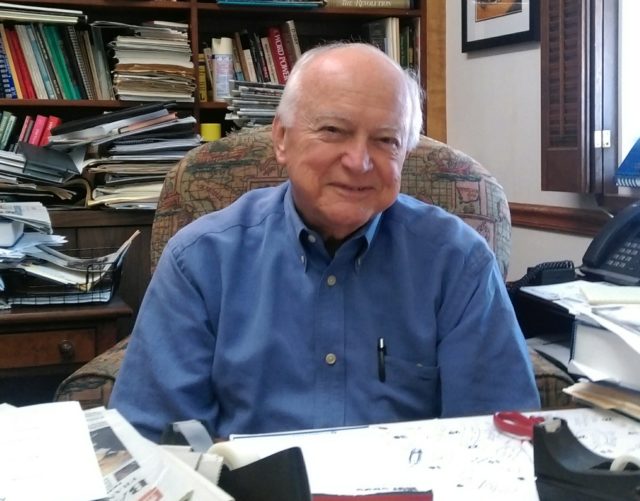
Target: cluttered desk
80,455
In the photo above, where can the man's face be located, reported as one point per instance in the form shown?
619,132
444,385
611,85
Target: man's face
345,150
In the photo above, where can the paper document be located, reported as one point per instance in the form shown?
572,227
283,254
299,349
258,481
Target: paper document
43,455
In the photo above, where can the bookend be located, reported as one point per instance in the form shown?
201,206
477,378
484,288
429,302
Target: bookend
567,471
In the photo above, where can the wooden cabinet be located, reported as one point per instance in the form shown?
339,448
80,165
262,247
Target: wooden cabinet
39,346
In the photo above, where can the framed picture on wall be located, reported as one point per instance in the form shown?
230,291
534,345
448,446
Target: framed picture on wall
493,23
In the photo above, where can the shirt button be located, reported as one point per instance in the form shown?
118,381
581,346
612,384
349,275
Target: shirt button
331,280
311,238
330,358
302,259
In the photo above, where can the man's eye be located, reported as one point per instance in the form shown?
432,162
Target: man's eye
390,141
331,129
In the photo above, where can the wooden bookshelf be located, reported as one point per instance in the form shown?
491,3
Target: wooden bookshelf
99,228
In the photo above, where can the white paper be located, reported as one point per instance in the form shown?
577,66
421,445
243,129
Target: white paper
46,453
461,458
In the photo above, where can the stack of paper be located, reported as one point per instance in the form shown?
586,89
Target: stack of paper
153,62
253,103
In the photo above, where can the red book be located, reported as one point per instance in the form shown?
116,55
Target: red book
52,121
28,91
38,128
278,54
26,128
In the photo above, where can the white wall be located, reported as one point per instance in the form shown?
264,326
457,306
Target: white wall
493,114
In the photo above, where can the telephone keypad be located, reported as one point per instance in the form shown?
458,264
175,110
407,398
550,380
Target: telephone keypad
626,258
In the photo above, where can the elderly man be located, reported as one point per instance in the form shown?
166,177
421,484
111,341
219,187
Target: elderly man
332,299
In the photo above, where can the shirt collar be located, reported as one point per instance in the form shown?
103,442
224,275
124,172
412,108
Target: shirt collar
300,231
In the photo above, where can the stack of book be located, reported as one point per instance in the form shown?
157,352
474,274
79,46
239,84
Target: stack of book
152,62
126,154
253,104
46,55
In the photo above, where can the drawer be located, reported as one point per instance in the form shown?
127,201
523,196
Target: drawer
34,349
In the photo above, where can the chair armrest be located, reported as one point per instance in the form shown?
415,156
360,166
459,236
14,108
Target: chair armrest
92,383
550,380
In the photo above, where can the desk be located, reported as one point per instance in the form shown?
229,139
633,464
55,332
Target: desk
458,458
50,342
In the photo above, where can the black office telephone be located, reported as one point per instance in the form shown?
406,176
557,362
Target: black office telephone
612,256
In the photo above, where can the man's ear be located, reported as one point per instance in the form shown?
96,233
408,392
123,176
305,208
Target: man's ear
278,133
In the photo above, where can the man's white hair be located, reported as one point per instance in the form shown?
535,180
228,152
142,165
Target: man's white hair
413,92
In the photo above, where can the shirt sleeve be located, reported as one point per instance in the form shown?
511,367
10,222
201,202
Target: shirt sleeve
166,373
482,354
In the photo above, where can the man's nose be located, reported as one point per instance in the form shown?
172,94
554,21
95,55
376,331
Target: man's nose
356,155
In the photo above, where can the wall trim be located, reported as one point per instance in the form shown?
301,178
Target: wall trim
572,221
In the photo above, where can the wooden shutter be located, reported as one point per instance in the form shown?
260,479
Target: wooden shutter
566,142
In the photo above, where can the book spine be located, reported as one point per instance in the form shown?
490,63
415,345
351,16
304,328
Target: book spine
369,4
4,122
278,54
251,73
39,124
102,64
76,57
291,42
258,55
8,85
30,59
23,70
13,67
203,92
86,42
46,55
24,131
238,68
271,65
52,121
41,65
70,60
6,135
59,67
208,64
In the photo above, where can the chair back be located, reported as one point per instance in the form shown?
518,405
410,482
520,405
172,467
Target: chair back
215,174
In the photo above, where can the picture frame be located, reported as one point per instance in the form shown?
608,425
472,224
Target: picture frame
495,23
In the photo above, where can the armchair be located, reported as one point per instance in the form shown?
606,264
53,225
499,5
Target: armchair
212,176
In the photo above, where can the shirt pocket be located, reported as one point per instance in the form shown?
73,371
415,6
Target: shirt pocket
414,387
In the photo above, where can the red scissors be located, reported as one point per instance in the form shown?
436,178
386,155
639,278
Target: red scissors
515,424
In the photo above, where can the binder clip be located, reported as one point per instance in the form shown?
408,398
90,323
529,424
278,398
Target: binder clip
567,471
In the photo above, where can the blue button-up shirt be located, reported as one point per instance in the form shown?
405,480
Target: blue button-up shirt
251,326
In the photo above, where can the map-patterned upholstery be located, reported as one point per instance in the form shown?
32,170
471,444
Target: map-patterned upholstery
213,175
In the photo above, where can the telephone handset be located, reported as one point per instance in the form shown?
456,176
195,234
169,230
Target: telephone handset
614,254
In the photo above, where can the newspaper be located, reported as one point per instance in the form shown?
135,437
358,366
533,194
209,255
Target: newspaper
32,214
136,469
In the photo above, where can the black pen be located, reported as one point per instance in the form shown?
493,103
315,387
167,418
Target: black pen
382,351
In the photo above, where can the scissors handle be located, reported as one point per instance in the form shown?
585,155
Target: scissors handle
516,424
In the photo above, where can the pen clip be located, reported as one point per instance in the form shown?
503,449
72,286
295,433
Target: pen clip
382,352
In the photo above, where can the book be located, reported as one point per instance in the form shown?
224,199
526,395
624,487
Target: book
602,355
628,174
203,87
41,63
291,42
23,71
59,67
87,47
8,87
71,55
606,396
237,43
52,121
5,50
271,65
32,65
369,4
39,124
8,131
48,60
259,60
251,74
278,53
